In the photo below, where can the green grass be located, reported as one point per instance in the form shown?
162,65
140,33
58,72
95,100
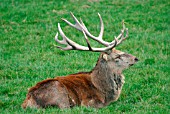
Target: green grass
27,54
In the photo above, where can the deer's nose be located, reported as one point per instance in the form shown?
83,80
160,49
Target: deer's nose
136,59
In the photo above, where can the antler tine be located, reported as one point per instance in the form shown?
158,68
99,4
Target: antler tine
62,42
102,27
100,37
121,35
77,25
87,41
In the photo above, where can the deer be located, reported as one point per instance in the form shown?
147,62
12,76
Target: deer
97,88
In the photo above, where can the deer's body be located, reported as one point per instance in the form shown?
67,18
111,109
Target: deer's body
96,88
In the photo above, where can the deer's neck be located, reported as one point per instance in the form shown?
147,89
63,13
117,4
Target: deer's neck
106,79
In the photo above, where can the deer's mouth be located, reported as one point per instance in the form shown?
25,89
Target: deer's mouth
131,64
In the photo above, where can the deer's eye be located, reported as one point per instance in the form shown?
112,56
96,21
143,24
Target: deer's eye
118,57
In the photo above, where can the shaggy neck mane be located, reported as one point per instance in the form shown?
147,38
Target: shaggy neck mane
105,79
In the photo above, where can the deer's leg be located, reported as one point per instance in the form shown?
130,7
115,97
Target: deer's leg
95,103
29,102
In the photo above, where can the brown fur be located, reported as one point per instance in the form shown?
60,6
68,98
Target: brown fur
96,89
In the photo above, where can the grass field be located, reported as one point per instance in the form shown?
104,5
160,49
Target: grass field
27,54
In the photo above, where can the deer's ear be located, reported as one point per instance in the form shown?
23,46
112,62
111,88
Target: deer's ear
105,57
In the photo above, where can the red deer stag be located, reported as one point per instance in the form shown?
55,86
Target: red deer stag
96,88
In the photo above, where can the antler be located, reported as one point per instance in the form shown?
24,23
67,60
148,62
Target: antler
71,45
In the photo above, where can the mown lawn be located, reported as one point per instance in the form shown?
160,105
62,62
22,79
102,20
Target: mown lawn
27,54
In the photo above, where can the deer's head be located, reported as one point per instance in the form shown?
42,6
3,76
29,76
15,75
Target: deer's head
118,60
114,58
